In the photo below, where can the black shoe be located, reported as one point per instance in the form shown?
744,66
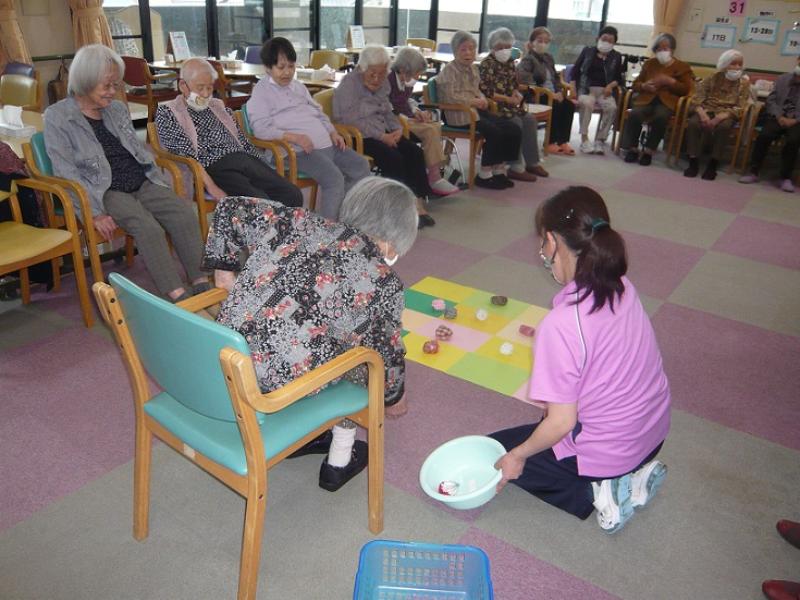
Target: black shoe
319,445
454,177
693,169
631,156
645,159
201,287
332,478
710,174
504,181
425,221
490,183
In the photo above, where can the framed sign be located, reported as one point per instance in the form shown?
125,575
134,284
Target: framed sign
762,31
179,46
718,36
736,7
355,37
791,43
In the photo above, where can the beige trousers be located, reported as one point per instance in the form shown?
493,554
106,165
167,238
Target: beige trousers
430,134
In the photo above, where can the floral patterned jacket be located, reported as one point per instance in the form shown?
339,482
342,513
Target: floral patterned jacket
500,78
310,290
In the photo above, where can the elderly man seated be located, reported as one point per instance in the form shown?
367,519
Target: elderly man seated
331,288
196,125
362,100
282,108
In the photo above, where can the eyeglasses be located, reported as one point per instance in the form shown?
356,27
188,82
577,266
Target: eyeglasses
111,87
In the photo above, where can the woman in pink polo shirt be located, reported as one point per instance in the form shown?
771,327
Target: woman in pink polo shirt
598,369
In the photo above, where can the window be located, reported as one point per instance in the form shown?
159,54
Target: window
574,24
240,23
335,18
126,28
517,15
413,20
292,19
634,20
377,18
189,16
458,14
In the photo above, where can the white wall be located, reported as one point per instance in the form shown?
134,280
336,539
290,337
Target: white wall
757,56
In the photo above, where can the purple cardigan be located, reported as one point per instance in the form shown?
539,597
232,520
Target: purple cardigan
400,97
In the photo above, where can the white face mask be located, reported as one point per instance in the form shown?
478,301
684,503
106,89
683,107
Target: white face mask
390,262
411,83
664,56
197,102
604,47
734,75
797,70
503,55
541,47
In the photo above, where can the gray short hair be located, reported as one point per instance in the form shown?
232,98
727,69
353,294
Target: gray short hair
503,35
409,60
373,55
90,65
459,37
668,37
383,209
194,67
727,57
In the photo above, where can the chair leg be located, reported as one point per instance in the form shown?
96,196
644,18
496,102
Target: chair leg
141,479
312,199
80,282
473,152
55,265
94,259
25,285
255,510
375,473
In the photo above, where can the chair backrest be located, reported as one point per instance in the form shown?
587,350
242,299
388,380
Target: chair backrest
252,55
325,100
430,93
421,43
42,162
319,58
19,68
221,84
179,350
137,73
19,90
245,120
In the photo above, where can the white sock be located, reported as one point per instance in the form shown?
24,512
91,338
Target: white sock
485,173
341,446
518,167
499,170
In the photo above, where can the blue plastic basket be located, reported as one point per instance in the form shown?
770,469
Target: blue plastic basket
389,570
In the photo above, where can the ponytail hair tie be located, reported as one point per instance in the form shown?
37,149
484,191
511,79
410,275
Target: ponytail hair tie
599,224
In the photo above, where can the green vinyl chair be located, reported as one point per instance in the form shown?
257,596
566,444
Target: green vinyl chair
212,411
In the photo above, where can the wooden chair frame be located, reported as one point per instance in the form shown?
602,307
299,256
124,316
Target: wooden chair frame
675,155
537,93
318,58
673,127
149,98
92,237
422,43
282,153
246,398
70,246
471,134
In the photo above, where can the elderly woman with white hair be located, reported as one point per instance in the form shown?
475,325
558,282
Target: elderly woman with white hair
362,100
406,69
201,127
499,82
90,139
459,83
717,105
331,288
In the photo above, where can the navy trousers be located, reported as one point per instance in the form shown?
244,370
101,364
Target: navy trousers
557,482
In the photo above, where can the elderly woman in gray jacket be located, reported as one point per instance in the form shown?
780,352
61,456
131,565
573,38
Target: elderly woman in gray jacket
90,139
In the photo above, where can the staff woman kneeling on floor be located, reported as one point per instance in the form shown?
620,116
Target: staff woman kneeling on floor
598,370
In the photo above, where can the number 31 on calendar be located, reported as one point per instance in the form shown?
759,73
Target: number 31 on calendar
736,9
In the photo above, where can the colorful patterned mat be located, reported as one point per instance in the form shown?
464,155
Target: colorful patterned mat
473,353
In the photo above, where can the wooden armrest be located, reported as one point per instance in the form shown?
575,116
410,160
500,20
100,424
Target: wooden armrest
169,166
276,148
53,190
355,133
168,161
204,300
348,137
304,385
404,124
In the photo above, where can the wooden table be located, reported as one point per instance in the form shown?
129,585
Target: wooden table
31,118
242,71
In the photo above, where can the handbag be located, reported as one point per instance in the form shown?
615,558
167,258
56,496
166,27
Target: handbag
57,87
